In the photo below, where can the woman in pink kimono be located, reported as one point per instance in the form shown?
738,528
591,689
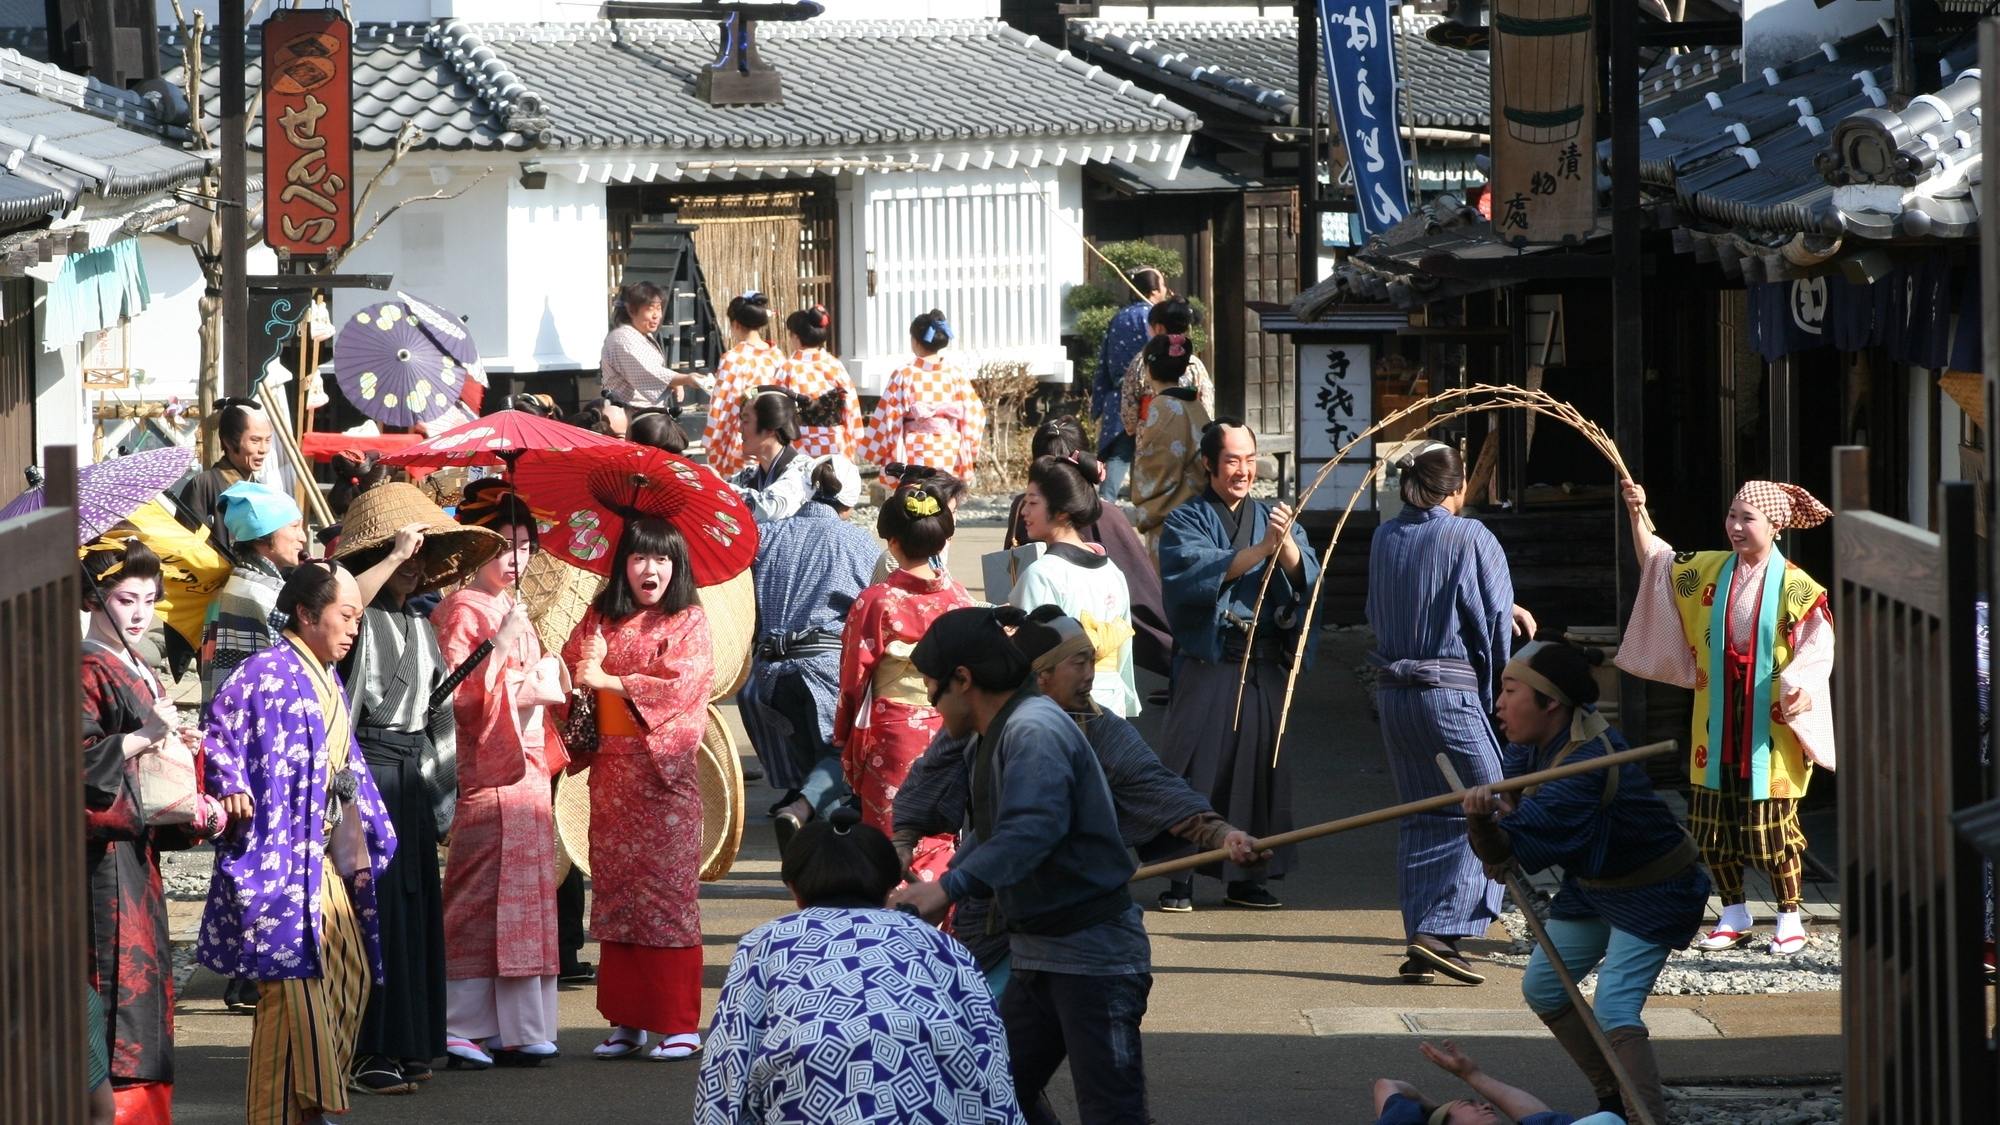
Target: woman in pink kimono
643,648
499,886
929,414
885,718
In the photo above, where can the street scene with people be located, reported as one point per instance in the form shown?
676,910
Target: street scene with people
984,561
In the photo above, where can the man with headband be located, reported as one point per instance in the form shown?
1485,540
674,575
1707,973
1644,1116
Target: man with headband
1750,635
1045,845
1632,888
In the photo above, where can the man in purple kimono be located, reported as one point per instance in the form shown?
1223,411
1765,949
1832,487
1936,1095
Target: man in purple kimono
292,901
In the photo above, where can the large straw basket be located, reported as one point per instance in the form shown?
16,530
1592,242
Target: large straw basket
559,594
721,774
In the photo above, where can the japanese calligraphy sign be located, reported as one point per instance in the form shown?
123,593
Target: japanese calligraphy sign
1359,39
1545,112
308,131
1336,389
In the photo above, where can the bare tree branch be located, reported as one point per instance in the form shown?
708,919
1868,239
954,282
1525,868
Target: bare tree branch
407,138
384,217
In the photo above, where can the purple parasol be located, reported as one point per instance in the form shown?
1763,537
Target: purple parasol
390,364
444,329
110,491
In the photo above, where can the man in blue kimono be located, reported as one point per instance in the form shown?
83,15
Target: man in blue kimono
1123,341
1213,554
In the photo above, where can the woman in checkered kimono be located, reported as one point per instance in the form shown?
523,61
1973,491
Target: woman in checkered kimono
1750,634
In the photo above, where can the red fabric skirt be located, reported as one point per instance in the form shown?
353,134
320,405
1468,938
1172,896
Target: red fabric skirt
878,757
143,1103
656,988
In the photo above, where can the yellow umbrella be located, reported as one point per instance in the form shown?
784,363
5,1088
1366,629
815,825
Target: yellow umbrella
191,569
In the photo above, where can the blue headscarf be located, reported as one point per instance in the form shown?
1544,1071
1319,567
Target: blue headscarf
251,510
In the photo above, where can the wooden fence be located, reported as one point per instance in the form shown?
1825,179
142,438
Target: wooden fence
43,925
1913,1003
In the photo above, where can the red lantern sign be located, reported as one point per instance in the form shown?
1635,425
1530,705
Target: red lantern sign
308,131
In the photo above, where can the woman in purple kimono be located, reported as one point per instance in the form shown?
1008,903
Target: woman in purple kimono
292,901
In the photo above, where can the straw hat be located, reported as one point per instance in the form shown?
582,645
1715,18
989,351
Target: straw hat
558,595
721,774
451,550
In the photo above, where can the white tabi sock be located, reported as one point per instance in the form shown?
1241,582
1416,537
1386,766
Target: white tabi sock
1736,917
1790,925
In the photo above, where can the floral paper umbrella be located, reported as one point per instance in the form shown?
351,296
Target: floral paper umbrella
498,439
110,491
594,491
389,362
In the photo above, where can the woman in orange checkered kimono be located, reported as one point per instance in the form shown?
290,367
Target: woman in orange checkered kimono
1750,634
749,363
832,413
929,414
885,719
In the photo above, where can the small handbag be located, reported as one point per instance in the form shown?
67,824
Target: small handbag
165,782
579,727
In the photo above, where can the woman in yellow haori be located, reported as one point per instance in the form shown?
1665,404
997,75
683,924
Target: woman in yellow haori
1751,635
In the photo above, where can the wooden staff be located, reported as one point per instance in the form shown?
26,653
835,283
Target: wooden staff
281,430
1635,1106
301,481
1410,808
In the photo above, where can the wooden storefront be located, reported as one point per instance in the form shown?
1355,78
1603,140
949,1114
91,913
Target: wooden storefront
17,382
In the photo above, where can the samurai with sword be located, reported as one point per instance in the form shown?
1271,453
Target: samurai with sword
1633,886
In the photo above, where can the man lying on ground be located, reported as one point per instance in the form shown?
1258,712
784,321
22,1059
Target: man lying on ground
1399,1103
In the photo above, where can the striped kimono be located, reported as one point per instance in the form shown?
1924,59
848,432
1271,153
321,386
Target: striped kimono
1440,599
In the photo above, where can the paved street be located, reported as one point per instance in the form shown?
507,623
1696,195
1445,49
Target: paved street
1277,1017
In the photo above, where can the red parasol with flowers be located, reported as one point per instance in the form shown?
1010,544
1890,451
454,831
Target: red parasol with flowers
498,439
594,491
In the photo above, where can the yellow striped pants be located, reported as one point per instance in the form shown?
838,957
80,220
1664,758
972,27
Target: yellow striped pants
302,1042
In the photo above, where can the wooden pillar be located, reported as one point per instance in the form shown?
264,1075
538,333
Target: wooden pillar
232,205
1989,256
1309,157
1782,400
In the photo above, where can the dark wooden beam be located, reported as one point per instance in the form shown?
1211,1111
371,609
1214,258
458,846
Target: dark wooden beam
232,193
301,282
1525,267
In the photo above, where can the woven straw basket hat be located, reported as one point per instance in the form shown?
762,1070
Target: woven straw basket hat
559,594
451,549
721,774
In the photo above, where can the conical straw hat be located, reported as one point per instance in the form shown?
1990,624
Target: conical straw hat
451,550
721,775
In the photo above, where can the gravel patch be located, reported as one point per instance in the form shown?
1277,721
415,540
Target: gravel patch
185,873
1748,970
1711,1106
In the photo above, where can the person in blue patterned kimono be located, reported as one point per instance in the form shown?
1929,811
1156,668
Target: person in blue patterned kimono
1633,886
846,1011
1441,603
1213,551
810,567
292,900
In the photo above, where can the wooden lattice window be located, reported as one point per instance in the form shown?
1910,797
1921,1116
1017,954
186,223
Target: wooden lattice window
1270,265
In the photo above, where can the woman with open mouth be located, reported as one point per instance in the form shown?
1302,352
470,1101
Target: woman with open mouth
643,649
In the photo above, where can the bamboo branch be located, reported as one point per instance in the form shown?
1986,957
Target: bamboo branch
1408,808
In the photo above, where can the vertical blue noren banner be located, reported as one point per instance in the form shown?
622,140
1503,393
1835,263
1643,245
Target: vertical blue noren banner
1358,37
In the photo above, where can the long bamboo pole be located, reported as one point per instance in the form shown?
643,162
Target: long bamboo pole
1410,808
1635,1104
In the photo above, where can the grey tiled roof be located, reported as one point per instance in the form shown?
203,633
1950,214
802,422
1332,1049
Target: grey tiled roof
1251,67
1914,173
402,73
1749,156
630,83
63,136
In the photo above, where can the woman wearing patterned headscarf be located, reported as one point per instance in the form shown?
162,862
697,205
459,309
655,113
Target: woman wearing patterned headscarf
1759,659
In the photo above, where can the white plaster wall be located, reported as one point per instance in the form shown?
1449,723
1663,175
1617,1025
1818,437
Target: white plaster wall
165,340
1778,31
558,278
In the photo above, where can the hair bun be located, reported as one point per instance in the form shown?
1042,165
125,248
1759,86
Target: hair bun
1592,655
820,318
843,818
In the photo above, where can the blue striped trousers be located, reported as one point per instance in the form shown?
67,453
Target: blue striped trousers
1443,886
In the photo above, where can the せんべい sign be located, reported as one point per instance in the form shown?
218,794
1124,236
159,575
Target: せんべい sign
308,131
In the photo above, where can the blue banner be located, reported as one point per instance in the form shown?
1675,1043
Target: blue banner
1358,37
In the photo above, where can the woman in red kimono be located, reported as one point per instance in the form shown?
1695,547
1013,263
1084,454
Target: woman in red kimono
126,714
499,885
644,649
885,719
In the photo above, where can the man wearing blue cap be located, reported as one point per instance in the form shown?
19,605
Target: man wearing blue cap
270,539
